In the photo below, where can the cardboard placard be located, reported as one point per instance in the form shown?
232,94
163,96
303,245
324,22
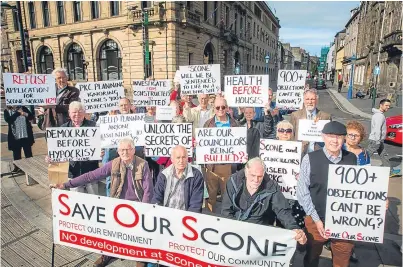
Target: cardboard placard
282,159
356,202
246,90
29,89
221,145
101,96
58,172
311,131
151,93
200,79
290,89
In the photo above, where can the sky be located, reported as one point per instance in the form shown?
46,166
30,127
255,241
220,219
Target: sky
311,25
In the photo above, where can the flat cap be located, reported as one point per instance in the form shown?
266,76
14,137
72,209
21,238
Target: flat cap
334,127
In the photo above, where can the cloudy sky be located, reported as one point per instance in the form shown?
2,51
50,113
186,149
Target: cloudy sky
311,25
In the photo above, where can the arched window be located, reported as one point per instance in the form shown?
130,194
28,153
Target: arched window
45,60
209,54
75,62
110,61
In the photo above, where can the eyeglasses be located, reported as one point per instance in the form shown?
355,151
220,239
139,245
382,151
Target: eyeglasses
353,136
220,107
281,130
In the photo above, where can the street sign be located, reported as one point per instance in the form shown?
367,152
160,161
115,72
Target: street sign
377,70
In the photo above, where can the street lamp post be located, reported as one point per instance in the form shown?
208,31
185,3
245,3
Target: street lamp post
17,9
267,59
350,88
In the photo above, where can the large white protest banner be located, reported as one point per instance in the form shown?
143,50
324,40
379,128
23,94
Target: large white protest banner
290,89
29,89
151,93
101,96
152,233
310,130
160,138
200,79
116,127
221,145
73,143
246,90
356,202
282,160
165,113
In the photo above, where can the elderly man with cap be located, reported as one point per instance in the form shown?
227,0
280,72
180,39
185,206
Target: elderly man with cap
311,194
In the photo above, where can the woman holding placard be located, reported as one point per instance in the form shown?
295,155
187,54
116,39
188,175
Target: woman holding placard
20,134
285,133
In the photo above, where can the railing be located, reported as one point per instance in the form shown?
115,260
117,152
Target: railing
138,14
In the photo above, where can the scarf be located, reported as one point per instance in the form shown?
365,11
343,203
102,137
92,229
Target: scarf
19,127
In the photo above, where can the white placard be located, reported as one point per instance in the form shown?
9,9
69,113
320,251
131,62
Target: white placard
162,137
142,232
311,131
200,79
116,127
73,143
290,89
246,90
356,202
221,145
29,89
101,96
165,113
282,159
151,93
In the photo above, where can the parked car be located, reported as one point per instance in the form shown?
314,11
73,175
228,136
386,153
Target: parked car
394,129
321,84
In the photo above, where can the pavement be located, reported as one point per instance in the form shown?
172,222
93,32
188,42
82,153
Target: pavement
369,254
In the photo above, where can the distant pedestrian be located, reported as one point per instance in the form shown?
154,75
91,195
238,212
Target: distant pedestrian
340,86
378,132
20,135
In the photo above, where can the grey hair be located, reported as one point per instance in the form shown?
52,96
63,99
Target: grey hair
312,91
255,160
285,123
59,70
127,140
178,119
76,104
176,148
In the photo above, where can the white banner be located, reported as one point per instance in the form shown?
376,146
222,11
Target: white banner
290,89
311,131
165,113
200,79
282,159
221,145
246,90
29,89
356,202
143,232
73,143
116,127
162,137
151,93
101,96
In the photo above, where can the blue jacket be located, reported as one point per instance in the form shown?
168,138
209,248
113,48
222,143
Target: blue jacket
194,188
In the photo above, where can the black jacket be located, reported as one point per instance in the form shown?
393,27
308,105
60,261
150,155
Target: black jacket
257,131
268,203
77,168
10,119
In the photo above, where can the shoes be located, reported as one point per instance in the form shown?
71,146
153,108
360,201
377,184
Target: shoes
102,261
16,170
353,257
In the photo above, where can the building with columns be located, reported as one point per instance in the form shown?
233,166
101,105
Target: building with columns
108,40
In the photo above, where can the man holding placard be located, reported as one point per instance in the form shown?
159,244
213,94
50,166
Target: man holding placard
77,168
198,115
312,194
308,112
54,116
217,175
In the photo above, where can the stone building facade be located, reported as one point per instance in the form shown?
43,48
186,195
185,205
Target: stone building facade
104,40
288,57
339,55
379,42
6,63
